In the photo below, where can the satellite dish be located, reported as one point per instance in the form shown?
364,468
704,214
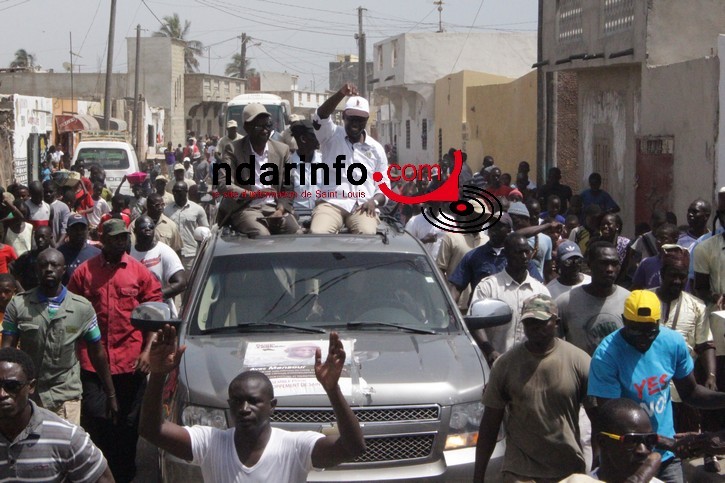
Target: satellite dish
67,66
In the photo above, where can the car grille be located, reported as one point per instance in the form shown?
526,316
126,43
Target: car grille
378,448
396,448
364,415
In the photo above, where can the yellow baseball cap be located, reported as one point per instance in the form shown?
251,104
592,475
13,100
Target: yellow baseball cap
642,306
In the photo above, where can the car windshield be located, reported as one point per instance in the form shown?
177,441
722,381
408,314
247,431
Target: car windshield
107,158
322,290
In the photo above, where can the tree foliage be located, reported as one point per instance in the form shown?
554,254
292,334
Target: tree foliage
192,48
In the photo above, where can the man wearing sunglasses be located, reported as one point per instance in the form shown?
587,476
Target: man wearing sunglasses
35,444
638,362
626,446
257,205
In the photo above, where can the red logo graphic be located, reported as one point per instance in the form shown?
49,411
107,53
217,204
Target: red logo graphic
461,200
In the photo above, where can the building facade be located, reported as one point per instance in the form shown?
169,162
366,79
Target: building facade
646,108
407,66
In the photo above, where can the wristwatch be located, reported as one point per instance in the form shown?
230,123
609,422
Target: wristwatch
378,202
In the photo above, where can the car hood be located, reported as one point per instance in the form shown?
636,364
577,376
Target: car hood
386,369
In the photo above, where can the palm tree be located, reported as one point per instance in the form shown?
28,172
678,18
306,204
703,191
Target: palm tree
172,28
235,66
23,59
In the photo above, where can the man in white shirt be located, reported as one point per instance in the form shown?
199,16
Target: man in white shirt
251,450
160,259
188,216
513,285
430,235
307,153
352,156
569,261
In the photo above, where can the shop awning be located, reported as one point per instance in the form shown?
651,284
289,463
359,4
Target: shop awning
76,122
116,124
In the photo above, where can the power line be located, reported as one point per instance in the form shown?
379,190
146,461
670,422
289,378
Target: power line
80,49
468,35
152,12
257,21
16,5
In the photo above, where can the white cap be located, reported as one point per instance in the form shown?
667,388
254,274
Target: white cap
201,233
232,123
357,106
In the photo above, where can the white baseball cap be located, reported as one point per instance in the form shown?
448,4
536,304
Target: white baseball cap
357,106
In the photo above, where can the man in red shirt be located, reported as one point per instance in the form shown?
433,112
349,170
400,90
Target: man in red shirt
115,284
495,186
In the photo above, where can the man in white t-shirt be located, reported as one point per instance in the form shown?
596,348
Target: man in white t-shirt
160,259
568,263
251,451
430,235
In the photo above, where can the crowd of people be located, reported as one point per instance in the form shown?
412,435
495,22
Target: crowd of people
616,343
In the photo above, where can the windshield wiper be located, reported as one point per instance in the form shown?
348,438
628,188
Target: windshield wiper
358,324
261,325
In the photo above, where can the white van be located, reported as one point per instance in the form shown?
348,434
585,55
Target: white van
111,152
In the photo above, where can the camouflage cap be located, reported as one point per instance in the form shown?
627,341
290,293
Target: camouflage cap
539,307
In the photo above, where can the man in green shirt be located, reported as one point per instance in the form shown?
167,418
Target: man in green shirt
48,321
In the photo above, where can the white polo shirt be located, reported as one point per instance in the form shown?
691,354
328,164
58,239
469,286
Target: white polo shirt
369,153
304,205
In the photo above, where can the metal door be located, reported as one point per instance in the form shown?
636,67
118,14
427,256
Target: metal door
654,176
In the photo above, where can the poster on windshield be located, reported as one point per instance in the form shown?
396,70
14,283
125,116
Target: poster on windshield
291,365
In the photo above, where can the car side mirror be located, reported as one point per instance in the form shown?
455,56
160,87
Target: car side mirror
153,316
488,313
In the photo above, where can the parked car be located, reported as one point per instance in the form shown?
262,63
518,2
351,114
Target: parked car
111,151
414,377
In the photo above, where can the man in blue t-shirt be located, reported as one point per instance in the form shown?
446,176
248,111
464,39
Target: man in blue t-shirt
638,361
595,195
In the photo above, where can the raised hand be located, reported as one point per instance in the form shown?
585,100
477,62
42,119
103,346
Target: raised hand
164,356
328,373
349,89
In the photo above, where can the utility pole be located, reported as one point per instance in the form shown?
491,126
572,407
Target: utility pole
109,69
72,96
135,90
362,70
440,15
541,121
243,63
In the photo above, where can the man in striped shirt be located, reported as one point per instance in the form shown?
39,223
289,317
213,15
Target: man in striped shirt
35,444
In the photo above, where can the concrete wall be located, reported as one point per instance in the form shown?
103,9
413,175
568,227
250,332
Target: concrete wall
452,109
424,57
33,121
681,100
608,111
86,86
502,123
407,66
719,175
678,31
577,27
277,81
161,80
566,128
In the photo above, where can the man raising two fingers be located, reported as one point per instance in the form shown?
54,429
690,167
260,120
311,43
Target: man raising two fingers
251,450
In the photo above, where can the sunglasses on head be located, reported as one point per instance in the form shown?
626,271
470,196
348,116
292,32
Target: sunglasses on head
650,440
12,386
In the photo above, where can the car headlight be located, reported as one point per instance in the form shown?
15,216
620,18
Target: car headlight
204,416
463,427
464,424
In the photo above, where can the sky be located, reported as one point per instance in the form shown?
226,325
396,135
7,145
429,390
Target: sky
287,36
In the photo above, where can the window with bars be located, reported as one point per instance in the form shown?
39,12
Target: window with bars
618,15
407,134
424,134
569,20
